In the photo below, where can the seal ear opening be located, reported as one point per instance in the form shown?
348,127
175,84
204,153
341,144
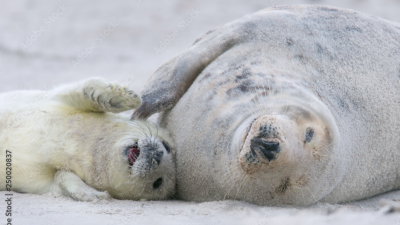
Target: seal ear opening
170,82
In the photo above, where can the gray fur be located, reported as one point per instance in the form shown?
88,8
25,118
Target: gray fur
347,60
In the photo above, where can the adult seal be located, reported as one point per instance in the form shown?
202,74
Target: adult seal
70,141
287,106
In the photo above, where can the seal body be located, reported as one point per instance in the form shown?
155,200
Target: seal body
286,106
67,140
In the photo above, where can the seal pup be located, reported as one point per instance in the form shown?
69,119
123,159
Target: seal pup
286,106
70,141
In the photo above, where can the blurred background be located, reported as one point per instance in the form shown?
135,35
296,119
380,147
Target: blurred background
47,43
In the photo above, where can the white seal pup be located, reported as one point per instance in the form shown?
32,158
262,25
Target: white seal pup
67,141
287,106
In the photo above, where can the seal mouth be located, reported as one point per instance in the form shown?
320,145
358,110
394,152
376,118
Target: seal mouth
133,154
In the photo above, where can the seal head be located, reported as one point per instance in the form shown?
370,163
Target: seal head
144,164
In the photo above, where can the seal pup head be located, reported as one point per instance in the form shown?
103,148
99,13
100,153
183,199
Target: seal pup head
142,163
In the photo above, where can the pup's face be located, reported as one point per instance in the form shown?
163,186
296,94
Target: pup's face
145,167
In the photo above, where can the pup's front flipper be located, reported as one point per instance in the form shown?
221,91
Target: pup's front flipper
98,95
71,185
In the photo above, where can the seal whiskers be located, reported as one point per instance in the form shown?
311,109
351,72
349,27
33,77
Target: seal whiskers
240,186
230,188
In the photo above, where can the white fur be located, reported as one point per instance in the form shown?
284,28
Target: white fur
67,141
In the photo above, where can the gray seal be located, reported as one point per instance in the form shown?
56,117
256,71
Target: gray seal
287,106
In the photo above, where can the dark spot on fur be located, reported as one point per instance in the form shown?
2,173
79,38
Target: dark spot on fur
255,63
250,27
307,29
204,35
397,181
281,189
240,88
323,50
300,58
243,88
398,74
204,77
327,9
245,74
320,49
356,29
343,104
289,41
282,7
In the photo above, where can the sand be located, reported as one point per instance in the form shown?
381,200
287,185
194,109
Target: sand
47,43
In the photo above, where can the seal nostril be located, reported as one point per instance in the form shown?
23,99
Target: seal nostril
157,183
157,159
267,149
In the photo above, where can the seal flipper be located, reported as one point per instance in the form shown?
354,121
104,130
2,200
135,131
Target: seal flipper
170,82
71,185
97,95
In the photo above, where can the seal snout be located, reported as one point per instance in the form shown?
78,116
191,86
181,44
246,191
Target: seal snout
265,145
266,149
156,157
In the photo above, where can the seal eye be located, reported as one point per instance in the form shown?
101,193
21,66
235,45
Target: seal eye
309,134
166,146
157,183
